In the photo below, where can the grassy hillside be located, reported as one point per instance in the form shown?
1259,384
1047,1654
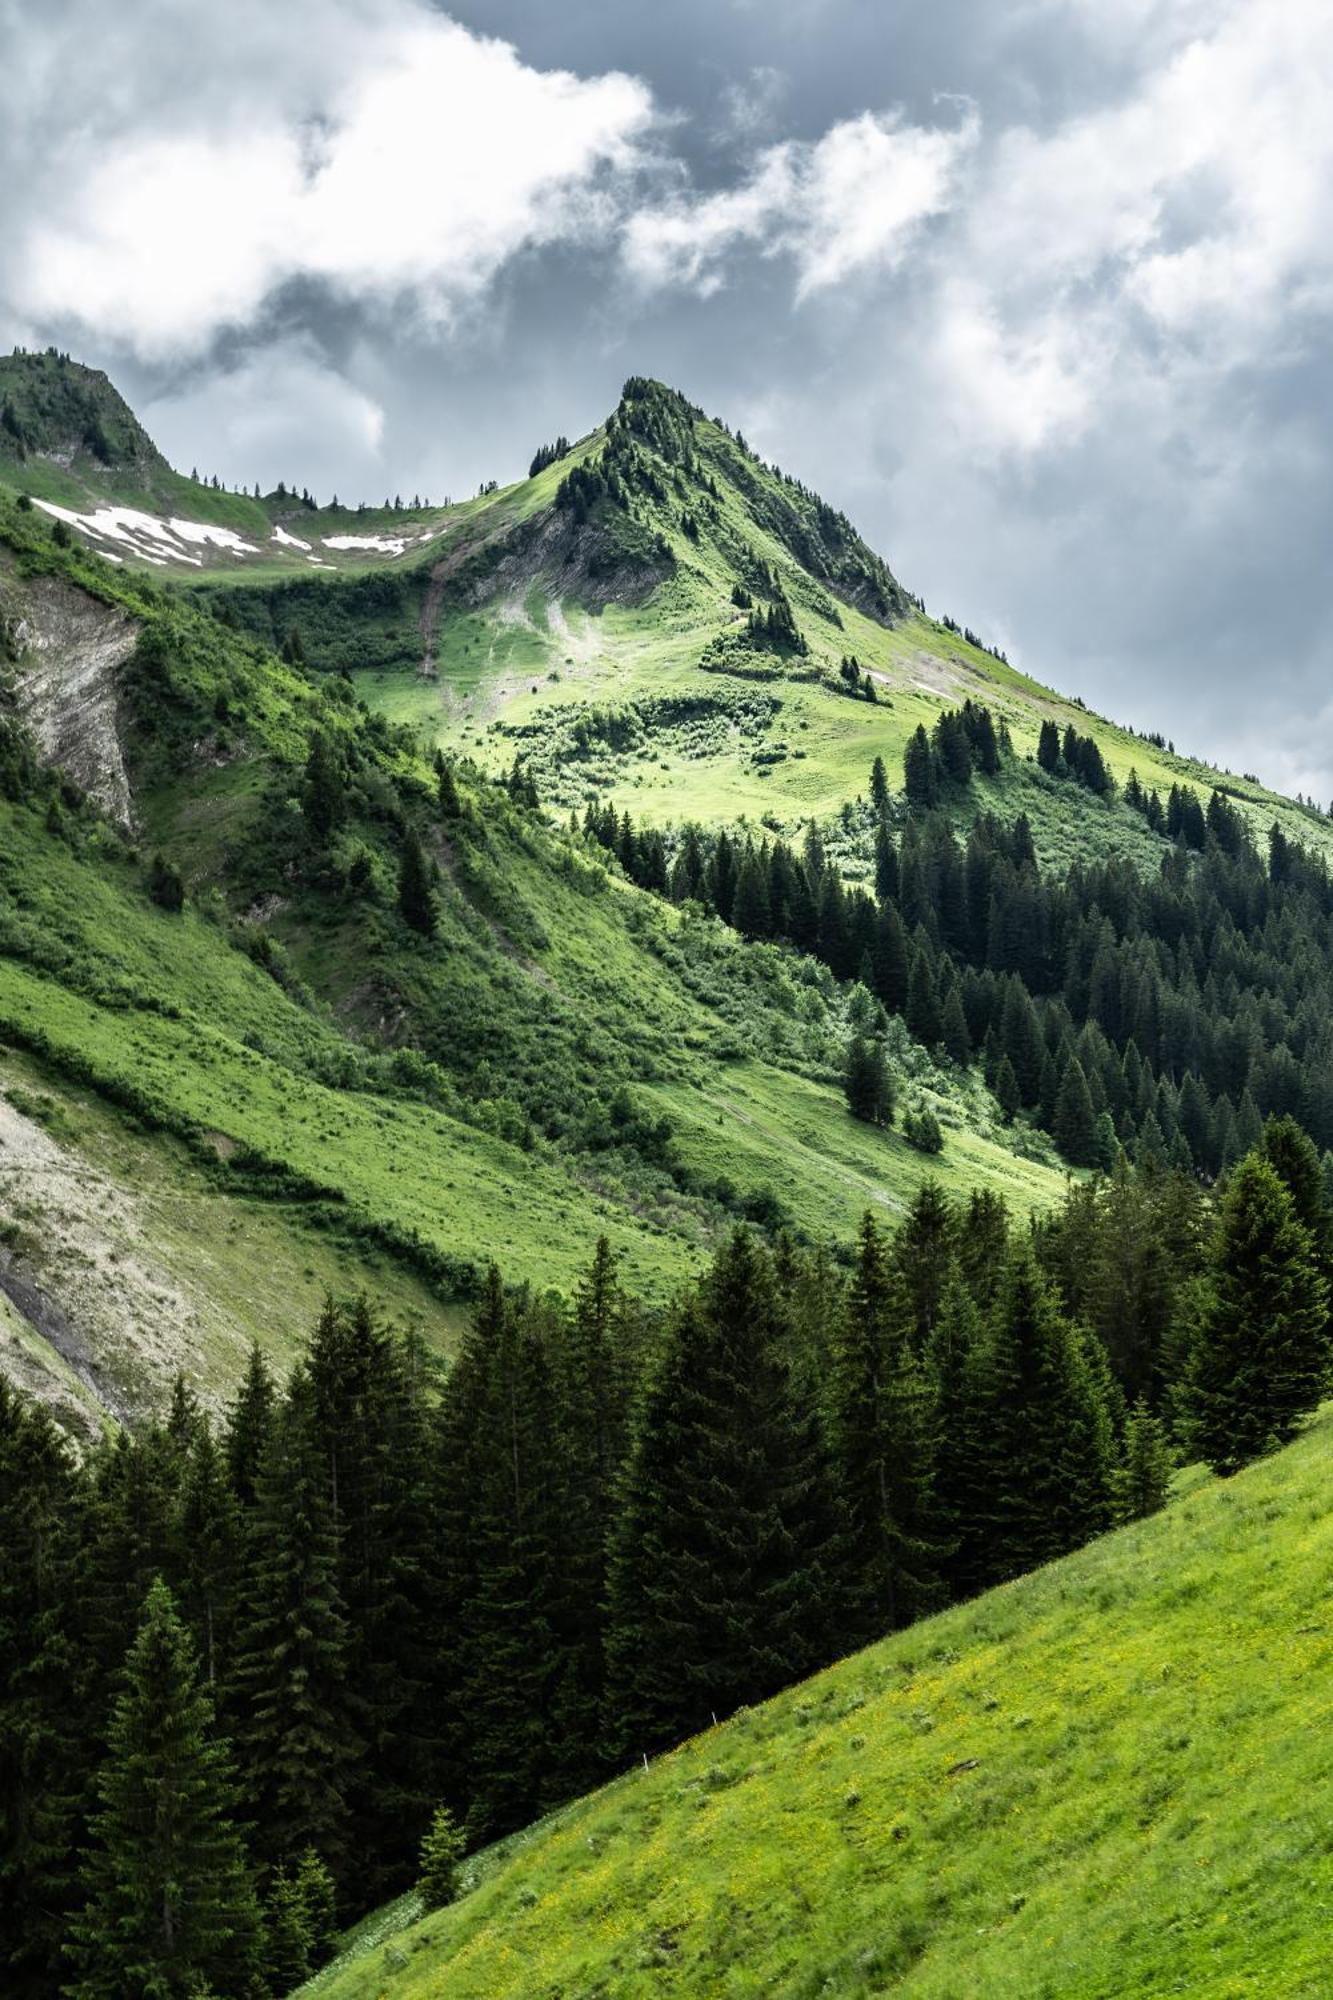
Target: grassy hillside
540,630
1102,1779
569,1058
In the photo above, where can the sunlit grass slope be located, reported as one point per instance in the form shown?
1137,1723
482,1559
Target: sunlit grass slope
1110,1778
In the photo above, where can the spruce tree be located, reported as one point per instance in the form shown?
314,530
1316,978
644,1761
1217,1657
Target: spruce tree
953,1030
451,806
1074,1124
889,959
170,1903
206,1557
1291,1152
922,1012
1260,1358
1031,1467
322,790
39,1750
1143,1480
248,1427
294,1733
437,1871
750,910
319,1905
497,1509
720,1589
866,1081
288,1940
592,1377
416,898
368,1430
1008,1096
886,865
922,1250
880,1434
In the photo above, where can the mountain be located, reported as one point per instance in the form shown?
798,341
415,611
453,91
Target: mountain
570,1056
595,1110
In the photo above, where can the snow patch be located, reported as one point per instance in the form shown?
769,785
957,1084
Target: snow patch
149,538
385,545
288,541
200,532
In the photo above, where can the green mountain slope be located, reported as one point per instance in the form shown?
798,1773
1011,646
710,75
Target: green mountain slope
1102,1779
568,1058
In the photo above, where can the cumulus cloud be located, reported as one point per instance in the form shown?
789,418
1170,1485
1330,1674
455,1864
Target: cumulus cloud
1058,340
393,153
283,413
849,202
1183,229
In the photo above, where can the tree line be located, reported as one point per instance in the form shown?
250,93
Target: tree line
247,1669
1164,1015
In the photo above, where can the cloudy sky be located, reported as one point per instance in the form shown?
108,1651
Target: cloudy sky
1040,291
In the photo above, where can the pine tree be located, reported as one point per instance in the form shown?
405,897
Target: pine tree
719,1587
1007,1093
319,1905
593,1377
866,1081
1143,1480
880,1426
1031,1468
207,1556
451,806
922,1012
249,1427
416,899
441,1851
953,1030
170,1904
1074,1123
322,800
288,1940
1261,1355
497,1509
294,1734
879,790
39,1751
368,1429
750,910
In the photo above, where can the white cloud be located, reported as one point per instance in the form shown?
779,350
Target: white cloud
1184,230
392,153
849,202
281,415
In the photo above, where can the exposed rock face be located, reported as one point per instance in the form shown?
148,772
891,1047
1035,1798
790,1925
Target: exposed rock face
66,648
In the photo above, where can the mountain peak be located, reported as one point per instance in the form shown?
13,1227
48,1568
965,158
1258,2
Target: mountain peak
55,408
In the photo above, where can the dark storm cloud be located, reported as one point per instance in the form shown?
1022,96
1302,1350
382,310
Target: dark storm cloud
1038,291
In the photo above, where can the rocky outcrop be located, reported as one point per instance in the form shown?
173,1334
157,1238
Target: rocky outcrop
65,648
